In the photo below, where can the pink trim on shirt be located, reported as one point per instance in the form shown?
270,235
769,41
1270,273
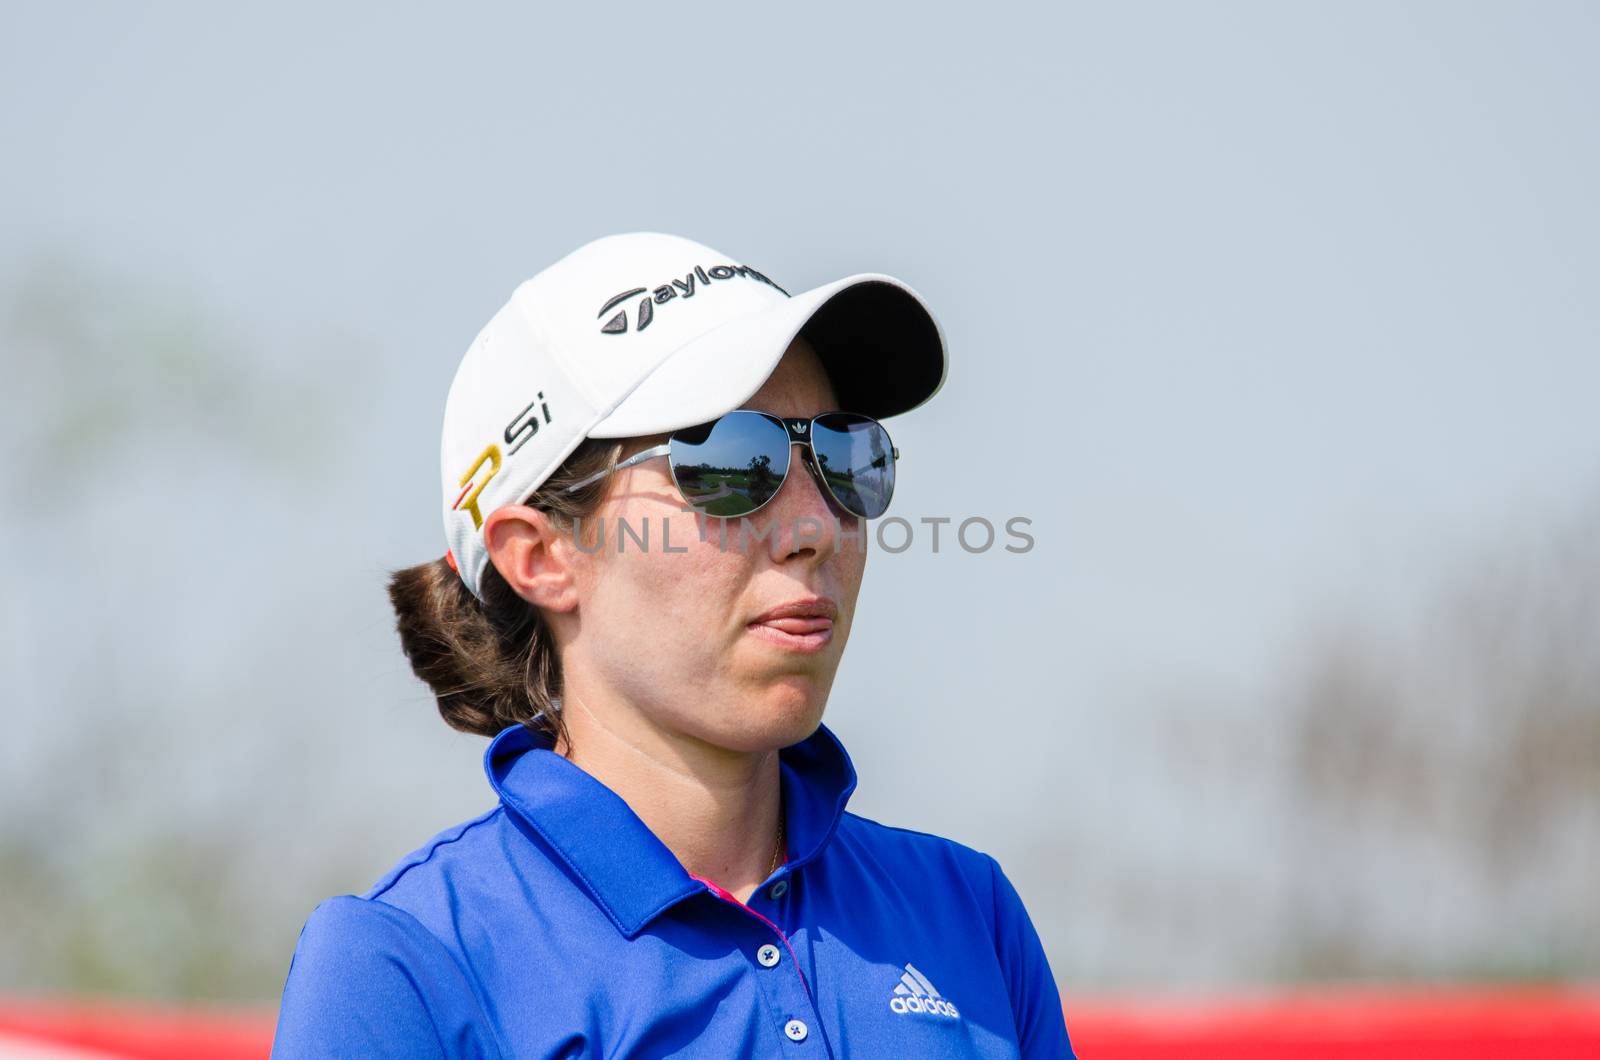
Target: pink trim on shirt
727,896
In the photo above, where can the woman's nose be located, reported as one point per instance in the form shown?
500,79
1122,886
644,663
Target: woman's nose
806,518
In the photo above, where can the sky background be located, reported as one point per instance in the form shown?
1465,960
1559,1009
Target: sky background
1273,318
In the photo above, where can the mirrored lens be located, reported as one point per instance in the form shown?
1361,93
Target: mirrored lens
856,460
733,465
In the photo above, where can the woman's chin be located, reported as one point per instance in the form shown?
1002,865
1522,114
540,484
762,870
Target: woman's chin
769,722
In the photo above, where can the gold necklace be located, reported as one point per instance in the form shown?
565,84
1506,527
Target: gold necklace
777,851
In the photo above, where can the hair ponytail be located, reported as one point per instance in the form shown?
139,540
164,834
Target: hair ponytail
493,663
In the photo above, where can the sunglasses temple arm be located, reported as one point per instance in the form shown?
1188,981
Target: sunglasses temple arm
637,458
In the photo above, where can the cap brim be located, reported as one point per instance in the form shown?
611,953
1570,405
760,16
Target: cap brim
881,346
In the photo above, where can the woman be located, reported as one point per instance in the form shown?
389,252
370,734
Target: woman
658,467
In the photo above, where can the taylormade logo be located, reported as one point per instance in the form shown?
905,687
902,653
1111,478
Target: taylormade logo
697,278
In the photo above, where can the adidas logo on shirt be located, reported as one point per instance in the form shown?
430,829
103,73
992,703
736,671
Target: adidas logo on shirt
916,994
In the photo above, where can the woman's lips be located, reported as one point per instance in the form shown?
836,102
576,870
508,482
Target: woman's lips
796,634
802,625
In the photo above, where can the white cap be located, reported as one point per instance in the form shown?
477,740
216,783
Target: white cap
644,333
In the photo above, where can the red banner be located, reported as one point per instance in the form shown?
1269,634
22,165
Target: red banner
1374,1024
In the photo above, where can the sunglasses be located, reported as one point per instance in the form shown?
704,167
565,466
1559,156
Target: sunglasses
734,465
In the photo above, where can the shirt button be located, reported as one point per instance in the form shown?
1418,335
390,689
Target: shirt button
795,1030
778,890
767,955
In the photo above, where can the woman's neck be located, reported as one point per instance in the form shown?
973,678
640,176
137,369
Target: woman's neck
716,809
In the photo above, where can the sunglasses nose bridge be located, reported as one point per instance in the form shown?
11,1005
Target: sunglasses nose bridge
830,500
807,460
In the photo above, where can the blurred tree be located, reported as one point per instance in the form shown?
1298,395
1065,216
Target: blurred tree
1445,786
136,433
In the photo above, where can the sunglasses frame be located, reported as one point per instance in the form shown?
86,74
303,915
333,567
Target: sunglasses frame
800,430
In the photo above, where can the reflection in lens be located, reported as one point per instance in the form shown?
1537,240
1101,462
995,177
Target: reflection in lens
855,457
733,465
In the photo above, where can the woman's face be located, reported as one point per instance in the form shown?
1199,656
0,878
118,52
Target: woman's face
678,636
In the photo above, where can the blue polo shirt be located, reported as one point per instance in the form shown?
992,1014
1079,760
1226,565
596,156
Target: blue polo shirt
558,925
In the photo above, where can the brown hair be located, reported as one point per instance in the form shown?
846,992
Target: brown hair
493,663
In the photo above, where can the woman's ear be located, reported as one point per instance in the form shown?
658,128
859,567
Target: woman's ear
532,556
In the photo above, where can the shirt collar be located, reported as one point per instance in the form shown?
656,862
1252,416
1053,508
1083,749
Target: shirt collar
628,872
